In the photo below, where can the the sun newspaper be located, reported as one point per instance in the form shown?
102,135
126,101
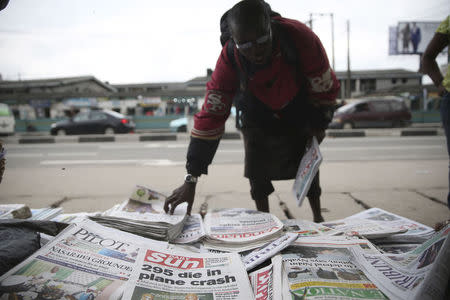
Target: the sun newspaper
262,283
323,268
84,260
309,165
168,274
240,229
420,274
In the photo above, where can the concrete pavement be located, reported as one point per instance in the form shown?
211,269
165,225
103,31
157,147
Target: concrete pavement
413,189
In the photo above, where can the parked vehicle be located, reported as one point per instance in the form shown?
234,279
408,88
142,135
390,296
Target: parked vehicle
94,122
7,122
179,125
372,112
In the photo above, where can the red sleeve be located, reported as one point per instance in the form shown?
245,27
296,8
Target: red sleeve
209,123
323,86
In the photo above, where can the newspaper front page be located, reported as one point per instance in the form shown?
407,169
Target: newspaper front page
401,276
84,260
309,165
262,283
170,274
317,268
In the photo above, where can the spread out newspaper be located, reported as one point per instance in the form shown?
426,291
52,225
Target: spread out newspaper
84,261
419,274
413,231
323,268
145,216
262,283
240,229
169,274
309,165
308,228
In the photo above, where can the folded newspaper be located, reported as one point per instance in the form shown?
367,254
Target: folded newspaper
14,211
412,230
419,274
309,165
169,274
363,227
84,261
145,216
323,268
240,229
308,228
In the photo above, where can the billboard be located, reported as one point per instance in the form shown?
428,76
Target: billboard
411,37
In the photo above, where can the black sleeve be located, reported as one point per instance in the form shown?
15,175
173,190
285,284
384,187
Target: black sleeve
200,155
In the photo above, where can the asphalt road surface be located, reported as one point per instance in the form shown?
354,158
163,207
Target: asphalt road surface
173,153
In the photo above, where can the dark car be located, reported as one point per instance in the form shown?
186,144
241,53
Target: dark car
372,112
94,122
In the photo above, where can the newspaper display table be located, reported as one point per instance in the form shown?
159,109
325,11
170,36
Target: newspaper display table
230,254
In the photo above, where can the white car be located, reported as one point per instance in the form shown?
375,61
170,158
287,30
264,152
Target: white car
7,122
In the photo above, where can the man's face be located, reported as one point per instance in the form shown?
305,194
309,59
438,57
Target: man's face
255,42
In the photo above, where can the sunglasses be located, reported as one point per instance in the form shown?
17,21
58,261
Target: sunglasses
259,41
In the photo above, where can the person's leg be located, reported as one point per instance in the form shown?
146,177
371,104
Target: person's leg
445,116
314,198
260,189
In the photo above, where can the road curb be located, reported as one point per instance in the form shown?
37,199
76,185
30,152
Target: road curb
345,133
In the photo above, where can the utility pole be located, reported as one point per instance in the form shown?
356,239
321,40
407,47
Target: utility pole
349,75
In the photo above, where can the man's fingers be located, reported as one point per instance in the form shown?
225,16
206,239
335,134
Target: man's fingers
168,201
174,205
189,208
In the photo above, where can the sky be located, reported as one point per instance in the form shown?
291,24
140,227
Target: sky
141,41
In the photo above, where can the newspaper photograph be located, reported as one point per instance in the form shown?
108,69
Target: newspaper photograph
401,276
193,230
163,274
145,195
262,283
411,228
319,269
308,228
309,165
84,261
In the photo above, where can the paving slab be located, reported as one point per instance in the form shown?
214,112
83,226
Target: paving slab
407,204
438,194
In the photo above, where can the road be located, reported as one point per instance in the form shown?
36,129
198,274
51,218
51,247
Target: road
405,175
230,152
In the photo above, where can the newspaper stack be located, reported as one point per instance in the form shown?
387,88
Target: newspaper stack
240,229
419,274
170,274
144,215
85,261
412,230
323,268
14,211
74,218
193,230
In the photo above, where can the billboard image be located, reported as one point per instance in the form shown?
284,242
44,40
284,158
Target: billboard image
411,37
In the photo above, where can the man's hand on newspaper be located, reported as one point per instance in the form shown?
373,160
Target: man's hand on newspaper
184,193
